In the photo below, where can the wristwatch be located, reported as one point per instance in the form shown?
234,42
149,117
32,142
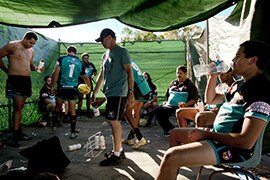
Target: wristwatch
130,91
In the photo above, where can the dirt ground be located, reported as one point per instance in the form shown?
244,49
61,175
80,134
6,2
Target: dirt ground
139,164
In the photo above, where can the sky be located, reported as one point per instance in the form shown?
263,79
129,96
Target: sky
90,31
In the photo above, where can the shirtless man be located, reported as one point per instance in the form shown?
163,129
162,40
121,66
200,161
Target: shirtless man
20,64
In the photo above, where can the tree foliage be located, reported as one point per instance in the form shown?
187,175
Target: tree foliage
185,33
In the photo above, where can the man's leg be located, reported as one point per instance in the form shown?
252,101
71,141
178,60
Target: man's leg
114,112
80,100
117,135
205,119
192,154
18,104
185,114
88,103
73,118
163,114
57,113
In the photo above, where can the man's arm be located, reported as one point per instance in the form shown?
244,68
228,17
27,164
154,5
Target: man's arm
100,80
130,98
4,51
211,97
55,77
87,81
252,127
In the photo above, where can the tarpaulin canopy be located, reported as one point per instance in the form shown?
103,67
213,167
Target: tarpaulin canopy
151,15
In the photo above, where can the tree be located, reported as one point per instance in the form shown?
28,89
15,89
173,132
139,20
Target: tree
171,35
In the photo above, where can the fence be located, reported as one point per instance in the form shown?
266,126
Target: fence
159,59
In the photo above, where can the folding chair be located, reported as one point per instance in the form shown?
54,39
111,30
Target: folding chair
242,167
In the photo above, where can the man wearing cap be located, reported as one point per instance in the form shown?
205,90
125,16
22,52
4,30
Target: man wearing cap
117,76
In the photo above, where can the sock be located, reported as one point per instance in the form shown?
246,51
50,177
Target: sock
130,135
56,116
117,153
73,123
138,133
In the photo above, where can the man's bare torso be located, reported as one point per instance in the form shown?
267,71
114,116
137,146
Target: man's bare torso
19,58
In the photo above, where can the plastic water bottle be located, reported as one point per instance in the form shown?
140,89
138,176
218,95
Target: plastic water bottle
102,144
200,105
97,142
74,147
96,111
40,65
204,69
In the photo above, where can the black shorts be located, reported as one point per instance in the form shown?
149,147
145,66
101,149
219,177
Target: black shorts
139,96
227,154
67,94
18,86
115,108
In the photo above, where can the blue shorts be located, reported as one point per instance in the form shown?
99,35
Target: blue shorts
115,108
227,154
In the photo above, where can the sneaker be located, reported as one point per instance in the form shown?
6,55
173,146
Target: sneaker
53,128
140,143
73,135
122,154
129,142
14,143
166,133
111,160
24,137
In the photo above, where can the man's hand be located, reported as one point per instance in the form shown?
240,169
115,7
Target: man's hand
130,100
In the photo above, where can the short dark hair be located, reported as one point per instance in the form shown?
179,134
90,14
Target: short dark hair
182,68
30,35
85,54
259,49
46,77
72,48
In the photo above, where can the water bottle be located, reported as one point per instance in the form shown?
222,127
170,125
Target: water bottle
96,111
40,65
200,105
97,142
74,147
102,144
204,69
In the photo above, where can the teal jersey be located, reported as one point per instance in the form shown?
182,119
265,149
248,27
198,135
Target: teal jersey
70,69
139,79
115,75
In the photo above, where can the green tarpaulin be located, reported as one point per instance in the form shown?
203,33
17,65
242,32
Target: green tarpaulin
151,15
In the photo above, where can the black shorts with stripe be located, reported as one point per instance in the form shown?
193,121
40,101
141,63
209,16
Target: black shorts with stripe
115,108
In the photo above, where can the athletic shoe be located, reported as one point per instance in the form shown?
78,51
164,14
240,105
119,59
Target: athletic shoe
73,135
53,128
122,154
14,143
111,160
140,143
129,142
24,137
166,134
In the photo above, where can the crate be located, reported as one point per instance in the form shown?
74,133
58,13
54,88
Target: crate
92,146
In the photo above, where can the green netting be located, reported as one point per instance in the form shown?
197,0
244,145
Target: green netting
159,59
45,48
